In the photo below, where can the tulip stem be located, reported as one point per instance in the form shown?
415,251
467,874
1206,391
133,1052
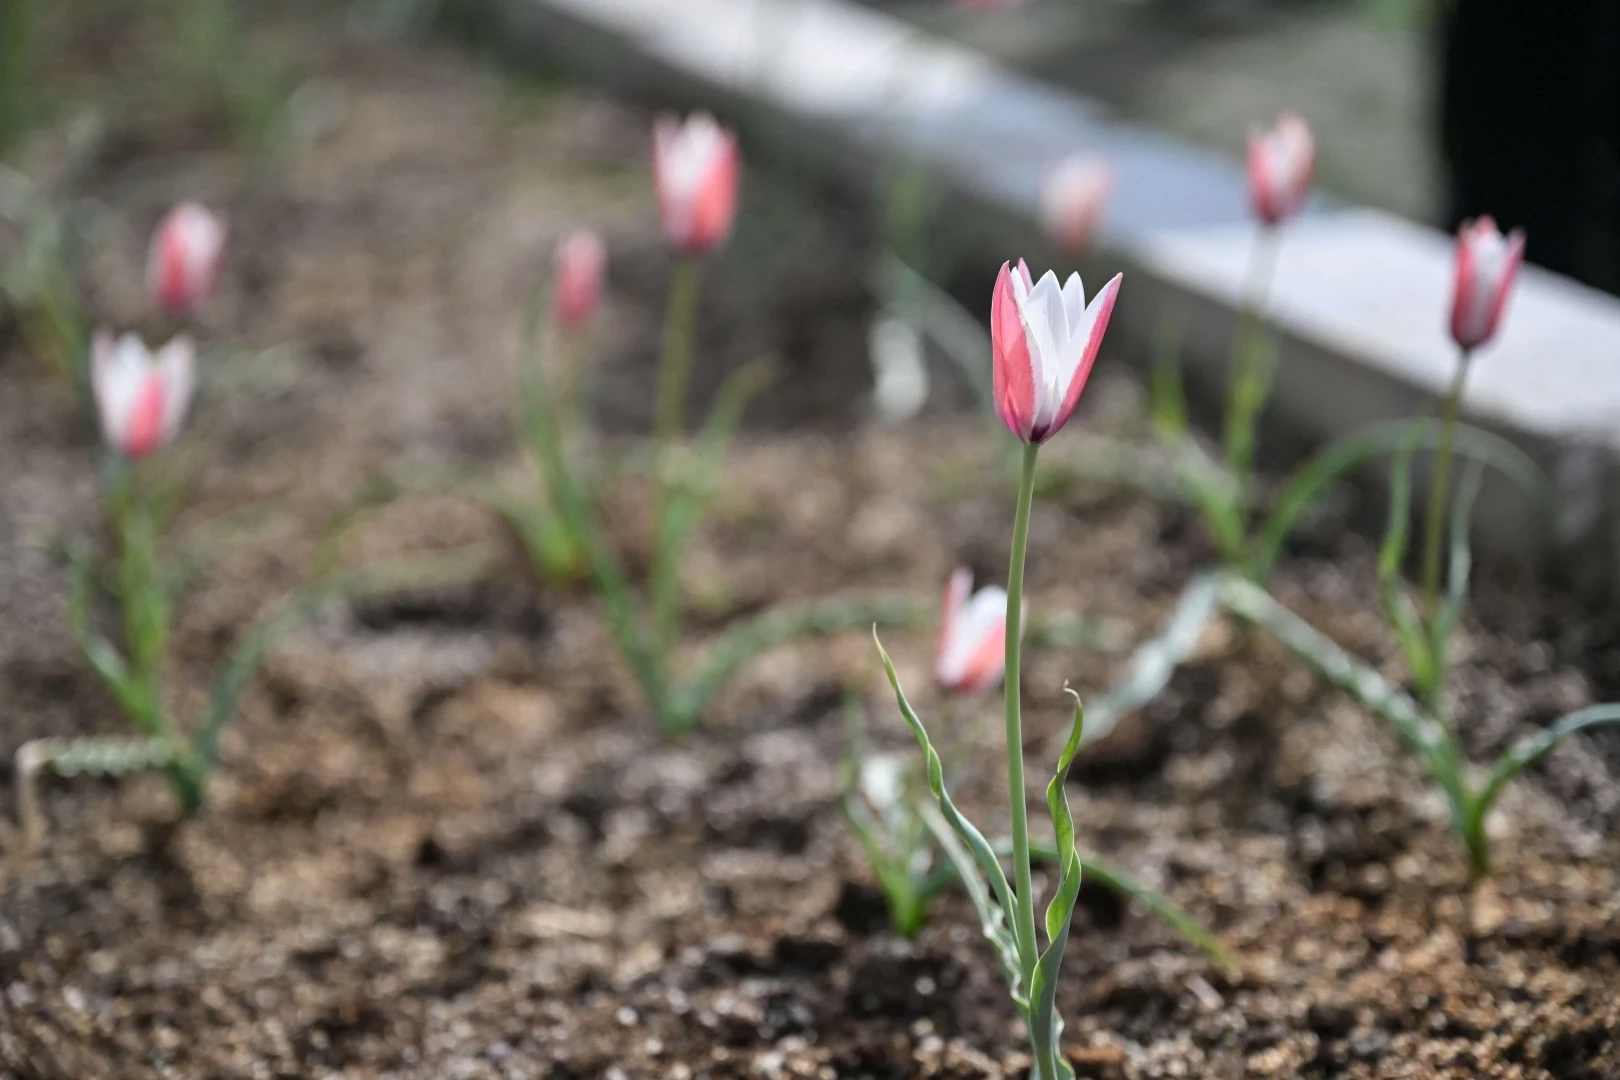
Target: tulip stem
1024,925
1249,378
674,372
1439,483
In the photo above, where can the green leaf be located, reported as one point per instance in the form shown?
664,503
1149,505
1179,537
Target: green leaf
1166,396
233,678
983,856
777,626
691,494
1155,660
103,656
611,580
1045,1025
1429,738
992,918
1532,748
1398,606
1338,459
1461,565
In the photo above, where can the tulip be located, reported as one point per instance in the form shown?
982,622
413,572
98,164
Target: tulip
581,262
1281,162
1045,340
183,263
141,396
1073,200
695,168
1487,265
972,636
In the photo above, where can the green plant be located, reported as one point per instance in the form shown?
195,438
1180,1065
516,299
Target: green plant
886,801
645,631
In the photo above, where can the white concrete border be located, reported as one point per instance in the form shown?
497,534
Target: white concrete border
1360,296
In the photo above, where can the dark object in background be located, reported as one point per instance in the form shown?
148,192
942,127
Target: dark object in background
1530,126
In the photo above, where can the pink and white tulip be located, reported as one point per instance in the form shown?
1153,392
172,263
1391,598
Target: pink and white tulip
141,396
581,265
183,263
1073,201
1487,266
695,167
1045,338
1281,164
972,636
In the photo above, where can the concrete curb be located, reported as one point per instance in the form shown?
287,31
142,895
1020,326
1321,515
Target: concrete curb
1360,297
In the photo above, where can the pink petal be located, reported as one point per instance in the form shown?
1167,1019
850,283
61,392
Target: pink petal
1012,370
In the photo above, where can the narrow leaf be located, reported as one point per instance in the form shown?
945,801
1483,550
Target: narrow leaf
984,857
777,626
1155,660
1340,458
1461,565
691,494
1045,1025
1532,748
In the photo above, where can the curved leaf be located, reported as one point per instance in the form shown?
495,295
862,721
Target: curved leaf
1532,748
1045,1025
1155,660
984,856
1403,617
1334,461
777,626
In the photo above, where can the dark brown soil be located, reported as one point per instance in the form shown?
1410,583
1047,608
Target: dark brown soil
446,841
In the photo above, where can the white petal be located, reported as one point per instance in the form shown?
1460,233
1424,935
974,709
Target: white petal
978,618
1074,302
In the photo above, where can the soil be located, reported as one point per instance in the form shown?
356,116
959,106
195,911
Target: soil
446,839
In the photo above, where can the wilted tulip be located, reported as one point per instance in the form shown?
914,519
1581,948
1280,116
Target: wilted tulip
972,636
1073,200
581,262
142,396
1045,339
695,168
1487,266
1281,162
184,259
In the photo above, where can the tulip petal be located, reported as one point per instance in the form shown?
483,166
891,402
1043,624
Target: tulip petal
1012,366
1087,341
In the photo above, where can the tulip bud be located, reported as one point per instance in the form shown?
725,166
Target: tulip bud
581,262
141,396
972,637
1487,266
695,170
183,263
1045,339
1073,201
1281,162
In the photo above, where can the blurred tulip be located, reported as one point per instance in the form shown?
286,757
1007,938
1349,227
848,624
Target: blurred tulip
1487,266
183,263
141,396
1281,163
1073,200
1045,339
695,168
581,265
972,636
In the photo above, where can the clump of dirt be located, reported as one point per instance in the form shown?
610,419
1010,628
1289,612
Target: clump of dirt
446,840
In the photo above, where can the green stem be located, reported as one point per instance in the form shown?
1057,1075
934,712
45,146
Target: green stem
1248,382
1434,525
674,372
1024,919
